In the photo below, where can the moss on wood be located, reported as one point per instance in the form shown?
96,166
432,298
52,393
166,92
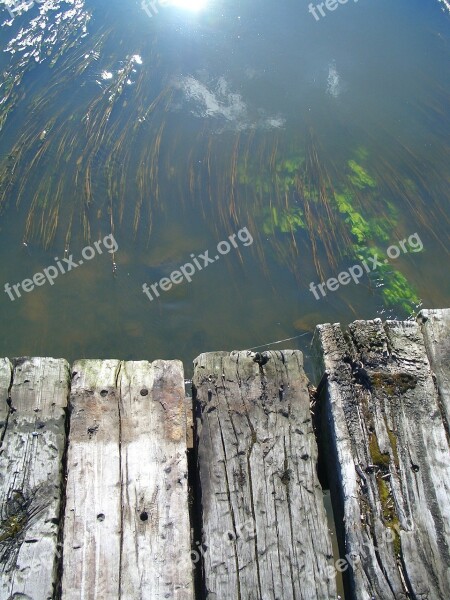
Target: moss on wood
394,384
394,446
380,459
389,514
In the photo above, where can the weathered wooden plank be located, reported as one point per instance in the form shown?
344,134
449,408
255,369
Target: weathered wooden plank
5,383
127,532
156,546
31,478
391,459
435,326
92,525
264,524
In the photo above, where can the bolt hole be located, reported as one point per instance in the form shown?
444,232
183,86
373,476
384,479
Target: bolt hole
100,517
103,393
144,515
415,468
144,392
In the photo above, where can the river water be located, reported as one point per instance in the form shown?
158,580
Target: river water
320,142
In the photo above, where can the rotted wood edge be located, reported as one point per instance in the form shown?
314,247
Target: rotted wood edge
32,475
386,370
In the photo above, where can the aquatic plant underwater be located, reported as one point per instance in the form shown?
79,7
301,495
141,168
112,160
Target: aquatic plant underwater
108,156
334,209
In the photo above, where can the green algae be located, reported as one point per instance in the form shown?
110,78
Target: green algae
394,445
280,180
290,165
390,517
283,220
359,176
295,197
380,459
395,289
398,292
359,227
361,153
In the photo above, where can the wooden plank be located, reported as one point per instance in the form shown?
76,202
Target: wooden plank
5,384
92,525
127,532
391,459
156,545
435,325
31,478
264,524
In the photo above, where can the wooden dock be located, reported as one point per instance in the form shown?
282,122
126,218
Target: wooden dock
115,485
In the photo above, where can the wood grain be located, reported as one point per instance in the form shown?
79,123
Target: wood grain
435,325
127,532
5,384
31,477
156,531
264,524
390,459
92,526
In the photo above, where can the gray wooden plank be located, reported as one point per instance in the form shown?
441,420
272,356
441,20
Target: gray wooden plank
31,478
127,532
435,325
5,383
264,524
390,457
92,524
156,543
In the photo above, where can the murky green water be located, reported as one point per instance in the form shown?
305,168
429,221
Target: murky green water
327,139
